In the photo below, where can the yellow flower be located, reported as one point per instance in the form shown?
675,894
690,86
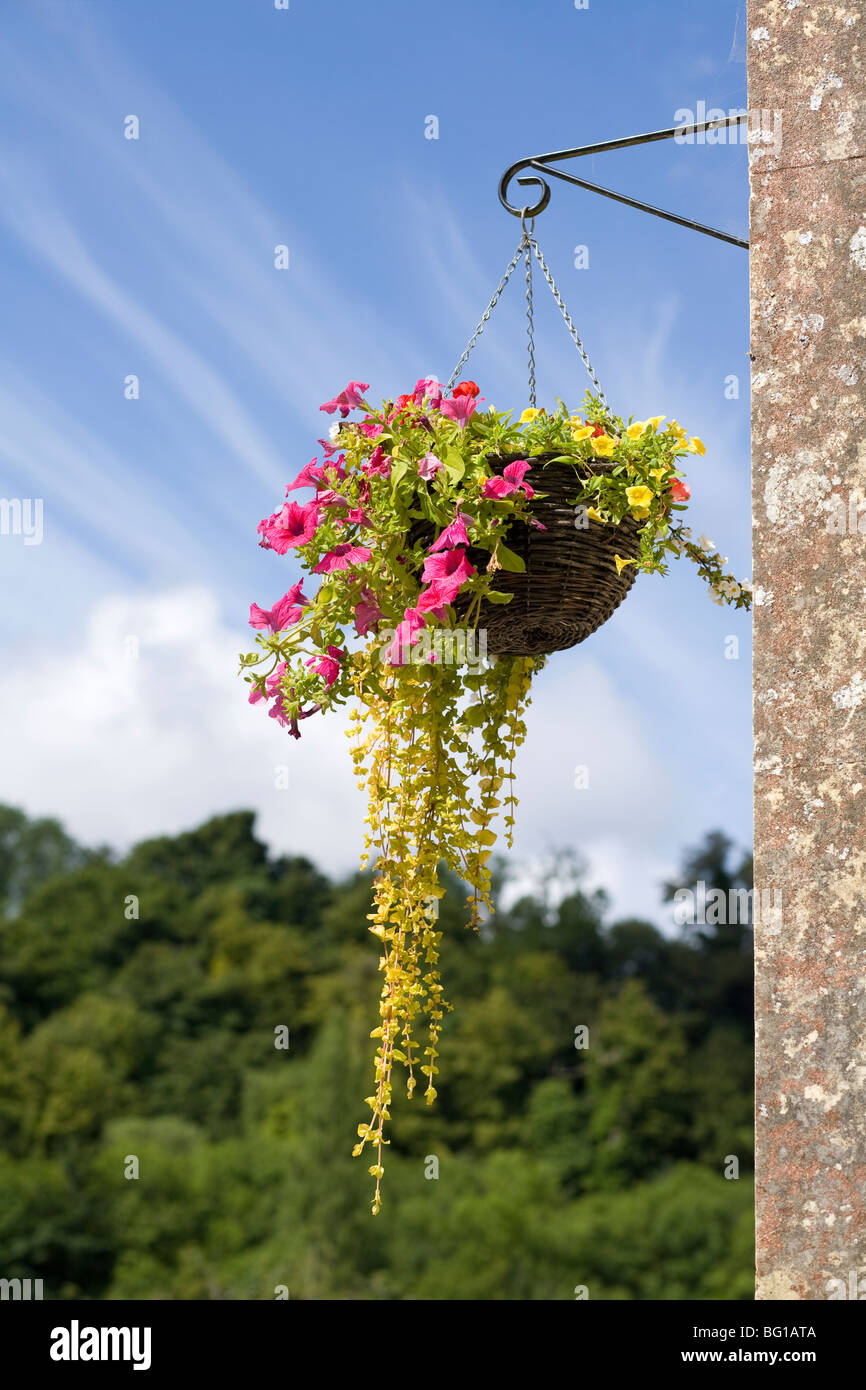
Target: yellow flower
655,421
697,446
604,445
593,514
677,431
621,564
584,433
640,513
658,472
639,496
529,415
637,429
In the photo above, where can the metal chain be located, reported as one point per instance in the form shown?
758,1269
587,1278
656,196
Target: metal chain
568,323
530,326
486,315
528,246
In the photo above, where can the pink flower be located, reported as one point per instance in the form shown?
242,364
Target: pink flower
451,565
283,614
455,534
358,517
539,525
405,637
367,612
329,498
378,465
680,491
277,711
273,681
334,470
434,598
328,447
347,400
328,666
370,428
309,476
460,409
290,526
511,480
429,466
431,388
342,557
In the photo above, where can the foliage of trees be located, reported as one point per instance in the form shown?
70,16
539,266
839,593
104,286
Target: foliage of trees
140,1003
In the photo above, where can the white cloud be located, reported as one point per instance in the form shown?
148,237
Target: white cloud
122,746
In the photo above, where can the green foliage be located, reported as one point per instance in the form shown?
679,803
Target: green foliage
152,1039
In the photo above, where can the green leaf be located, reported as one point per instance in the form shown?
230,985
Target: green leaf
398,472
455,465
494,596
508,560
474,716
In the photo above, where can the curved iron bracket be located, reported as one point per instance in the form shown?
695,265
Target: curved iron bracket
541,164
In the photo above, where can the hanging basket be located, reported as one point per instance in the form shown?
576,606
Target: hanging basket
570,585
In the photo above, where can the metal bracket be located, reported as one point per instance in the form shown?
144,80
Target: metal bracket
541,163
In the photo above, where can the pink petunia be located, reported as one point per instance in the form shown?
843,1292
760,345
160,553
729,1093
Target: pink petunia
371,428
290,526
680,491
511,481
460,409
283,614
450,565
309,476
405,637
455,534
434,598
378,465
329,498
431,389
328,665
358,517
348,399
342,557
367,612
429,466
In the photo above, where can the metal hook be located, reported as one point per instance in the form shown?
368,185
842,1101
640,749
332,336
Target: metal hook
543,163
524,213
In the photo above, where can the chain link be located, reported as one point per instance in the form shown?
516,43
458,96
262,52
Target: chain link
568,323
486,315
527,247
530,326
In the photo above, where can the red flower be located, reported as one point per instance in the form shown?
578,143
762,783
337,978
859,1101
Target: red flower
466,388
597,430
680,491
403,401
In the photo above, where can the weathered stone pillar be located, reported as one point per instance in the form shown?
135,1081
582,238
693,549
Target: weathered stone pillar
808,291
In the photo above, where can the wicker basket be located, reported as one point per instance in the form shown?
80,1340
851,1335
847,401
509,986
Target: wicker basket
570,586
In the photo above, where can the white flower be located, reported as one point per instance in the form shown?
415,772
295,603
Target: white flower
334,433
706,544
746,585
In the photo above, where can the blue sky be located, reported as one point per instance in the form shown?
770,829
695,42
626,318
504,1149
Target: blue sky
120,708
